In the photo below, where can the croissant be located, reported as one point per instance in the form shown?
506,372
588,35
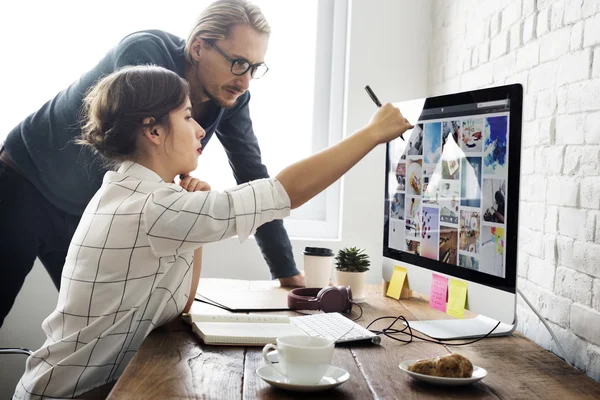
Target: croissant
450,366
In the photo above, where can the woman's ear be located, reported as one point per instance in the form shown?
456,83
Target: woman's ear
152,131
152,134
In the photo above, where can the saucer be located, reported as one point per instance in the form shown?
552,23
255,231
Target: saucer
478,374
333,377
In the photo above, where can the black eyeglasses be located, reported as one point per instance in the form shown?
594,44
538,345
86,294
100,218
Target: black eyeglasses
239,66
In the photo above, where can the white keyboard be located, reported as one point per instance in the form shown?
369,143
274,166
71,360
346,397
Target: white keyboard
334,326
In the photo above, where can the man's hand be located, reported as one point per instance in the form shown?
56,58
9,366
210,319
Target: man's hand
295,281
192,184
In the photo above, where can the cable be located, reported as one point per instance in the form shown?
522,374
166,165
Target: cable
390,331
361,311
564,355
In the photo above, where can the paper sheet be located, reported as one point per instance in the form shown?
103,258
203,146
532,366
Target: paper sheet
438,292
397,282
457,298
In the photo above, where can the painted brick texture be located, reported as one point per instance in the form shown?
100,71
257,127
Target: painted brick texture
551,47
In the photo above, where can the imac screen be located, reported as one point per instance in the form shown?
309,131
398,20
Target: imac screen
448,186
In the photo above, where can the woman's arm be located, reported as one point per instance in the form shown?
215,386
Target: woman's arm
307,178
178,221
195,279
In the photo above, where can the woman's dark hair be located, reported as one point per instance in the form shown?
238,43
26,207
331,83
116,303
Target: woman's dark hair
115,107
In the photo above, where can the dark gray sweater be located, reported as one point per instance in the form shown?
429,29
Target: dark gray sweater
68,175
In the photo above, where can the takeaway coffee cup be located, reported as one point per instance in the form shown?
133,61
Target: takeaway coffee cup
318,264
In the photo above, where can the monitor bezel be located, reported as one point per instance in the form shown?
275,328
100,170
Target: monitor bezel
514,93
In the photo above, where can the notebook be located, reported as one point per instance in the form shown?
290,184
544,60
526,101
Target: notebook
241,329
260,329
245,300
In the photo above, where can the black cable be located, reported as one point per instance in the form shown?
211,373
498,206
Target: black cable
361,311
392,331
389,330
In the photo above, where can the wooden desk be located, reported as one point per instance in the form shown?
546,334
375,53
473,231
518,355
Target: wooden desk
173,363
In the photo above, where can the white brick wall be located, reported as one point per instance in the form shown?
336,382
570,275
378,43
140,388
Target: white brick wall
555,308
570,129
551,220
585,323
596,295
572,222
575,348
563,190
592,122
573,13
551,47
543,22
550,249
574,285
574,67
572,159
590,189
594,364
555,44
564,249
577,36
541,272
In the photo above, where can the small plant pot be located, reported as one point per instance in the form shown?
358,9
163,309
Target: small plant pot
356,281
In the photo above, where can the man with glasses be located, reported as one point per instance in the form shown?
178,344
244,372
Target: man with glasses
46,180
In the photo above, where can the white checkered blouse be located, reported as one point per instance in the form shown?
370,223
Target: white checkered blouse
128,270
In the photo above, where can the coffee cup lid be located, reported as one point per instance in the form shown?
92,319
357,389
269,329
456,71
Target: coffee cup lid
318,251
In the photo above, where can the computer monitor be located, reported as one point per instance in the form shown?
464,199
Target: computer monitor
452,200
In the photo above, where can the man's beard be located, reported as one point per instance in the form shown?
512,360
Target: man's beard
218,101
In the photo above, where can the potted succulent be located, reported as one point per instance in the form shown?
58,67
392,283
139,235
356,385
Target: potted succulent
351,265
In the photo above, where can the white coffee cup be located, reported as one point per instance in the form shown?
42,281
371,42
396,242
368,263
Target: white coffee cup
302,359
318,265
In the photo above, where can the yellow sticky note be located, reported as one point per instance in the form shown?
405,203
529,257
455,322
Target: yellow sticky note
396,283
457,298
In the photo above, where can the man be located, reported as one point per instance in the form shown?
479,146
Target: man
46,180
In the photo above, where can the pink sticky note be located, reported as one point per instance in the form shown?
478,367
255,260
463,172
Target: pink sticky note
438,293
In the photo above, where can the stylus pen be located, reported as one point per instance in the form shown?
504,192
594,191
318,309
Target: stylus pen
375,99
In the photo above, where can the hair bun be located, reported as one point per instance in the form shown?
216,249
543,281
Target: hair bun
113,109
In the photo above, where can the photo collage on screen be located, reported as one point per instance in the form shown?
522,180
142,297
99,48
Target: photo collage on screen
447,192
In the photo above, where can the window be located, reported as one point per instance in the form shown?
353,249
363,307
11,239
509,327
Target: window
297,106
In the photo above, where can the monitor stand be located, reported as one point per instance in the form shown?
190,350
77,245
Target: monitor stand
449,329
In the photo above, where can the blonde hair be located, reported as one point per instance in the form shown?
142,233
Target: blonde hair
216,21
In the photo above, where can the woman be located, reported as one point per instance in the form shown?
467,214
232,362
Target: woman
130,266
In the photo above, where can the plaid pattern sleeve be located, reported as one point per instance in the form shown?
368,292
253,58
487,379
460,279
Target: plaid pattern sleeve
181,222
128,270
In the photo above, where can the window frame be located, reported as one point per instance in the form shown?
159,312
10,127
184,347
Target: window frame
320,217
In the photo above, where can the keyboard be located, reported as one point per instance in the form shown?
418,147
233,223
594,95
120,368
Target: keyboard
334,326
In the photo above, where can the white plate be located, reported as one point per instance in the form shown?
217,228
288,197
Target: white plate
478,374
333,377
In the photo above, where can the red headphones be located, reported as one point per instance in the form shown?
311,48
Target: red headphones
327,299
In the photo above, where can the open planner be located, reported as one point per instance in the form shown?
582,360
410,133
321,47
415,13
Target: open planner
260,329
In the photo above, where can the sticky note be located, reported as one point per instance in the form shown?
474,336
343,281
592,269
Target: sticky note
438,292
397,282
457,298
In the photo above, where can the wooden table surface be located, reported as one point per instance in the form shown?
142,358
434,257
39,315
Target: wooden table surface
173,363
